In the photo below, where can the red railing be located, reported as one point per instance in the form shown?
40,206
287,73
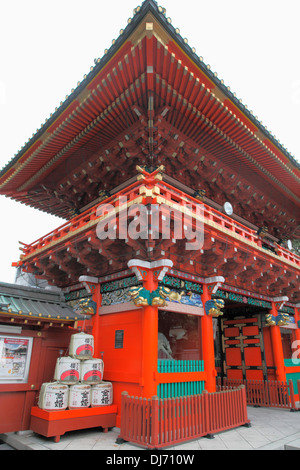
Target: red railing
269,393
168,193
154,423
80,222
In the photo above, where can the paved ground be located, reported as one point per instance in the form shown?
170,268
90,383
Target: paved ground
271,429
4,446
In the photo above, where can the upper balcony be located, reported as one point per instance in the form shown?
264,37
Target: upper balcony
230,248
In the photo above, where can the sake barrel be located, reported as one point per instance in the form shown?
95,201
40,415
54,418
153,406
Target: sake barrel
81,346
67,370
79,396
91,371
53,396
102,394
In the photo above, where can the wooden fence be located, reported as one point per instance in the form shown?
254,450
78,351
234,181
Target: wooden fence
155,423
269,393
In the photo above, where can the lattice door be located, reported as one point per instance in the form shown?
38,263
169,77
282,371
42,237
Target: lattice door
243,348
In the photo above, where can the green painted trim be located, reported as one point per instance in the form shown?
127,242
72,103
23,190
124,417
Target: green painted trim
180,389
292,362
166,366
293,376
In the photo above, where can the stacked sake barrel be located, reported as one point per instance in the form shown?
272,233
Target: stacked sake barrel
78,379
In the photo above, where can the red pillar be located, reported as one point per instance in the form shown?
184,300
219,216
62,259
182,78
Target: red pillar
296,346
150,274
207,337
150,339
277,347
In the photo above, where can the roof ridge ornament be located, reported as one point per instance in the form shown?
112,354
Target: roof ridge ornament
145,2
149,175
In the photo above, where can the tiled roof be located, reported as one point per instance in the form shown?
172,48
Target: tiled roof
138,13
35,303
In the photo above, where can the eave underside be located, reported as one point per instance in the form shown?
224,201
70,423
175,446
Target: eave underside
150,106
227,249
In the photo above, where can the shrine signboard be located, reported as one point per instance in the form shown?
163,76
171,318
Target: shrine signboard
15,355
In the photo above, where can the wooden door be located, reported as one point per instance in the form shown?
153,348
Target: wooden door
243,348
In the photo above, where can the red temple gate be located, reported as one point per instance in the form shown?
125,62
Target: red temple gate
152,125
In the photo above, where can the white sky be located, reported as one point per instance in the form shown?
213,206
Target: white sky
47,47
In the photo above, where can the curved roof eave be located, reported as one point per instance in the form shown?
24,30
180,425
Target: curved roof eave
139,14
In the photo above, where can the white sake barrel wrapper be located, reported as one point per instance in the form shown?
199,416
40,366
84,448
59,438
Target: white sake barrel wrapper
82,346
67,370
53,396
91,371
79,396
102,394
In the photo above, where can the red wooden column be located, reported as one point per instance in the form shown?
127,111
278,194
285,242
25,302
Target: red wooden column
297,331
150,338
93,286
210,286
296,339
150,274
277,344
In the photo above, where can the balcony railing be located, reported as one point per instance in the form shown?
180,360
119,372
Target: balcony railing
169,195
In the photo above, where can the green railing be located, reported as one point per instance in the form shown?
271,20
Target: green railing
168,366
293,376
179,389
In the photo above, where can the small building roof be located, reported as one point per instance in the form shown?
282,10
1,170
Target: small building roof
35,303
